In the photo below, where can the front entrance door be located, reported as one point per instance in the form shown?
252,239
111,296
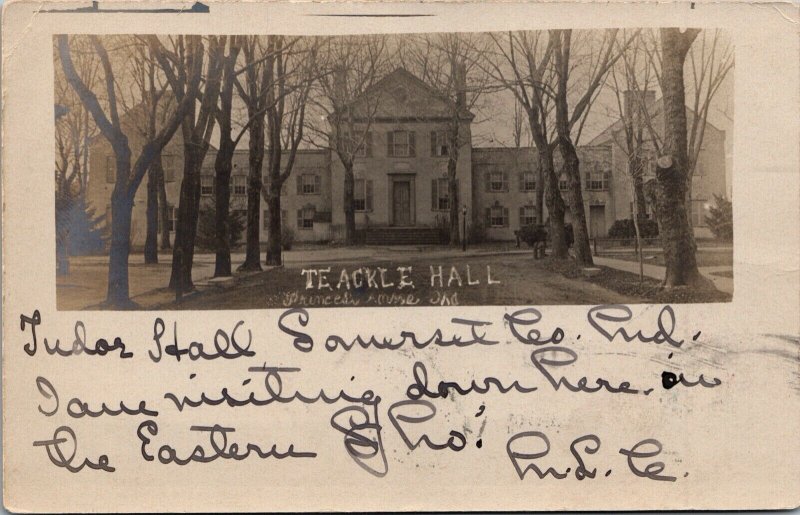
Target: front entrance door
401,202
597,217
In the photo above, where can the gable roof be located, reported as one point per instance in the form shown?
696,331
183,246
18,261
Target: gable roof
401,95
655,109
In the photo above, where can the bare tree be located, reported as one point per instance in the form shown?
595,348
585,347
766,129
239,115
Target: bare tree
632,80
600,56
669,189
74,128
224,161
147,114
290,76
524,67
351,65
451,63
252,84
710,60
128,175
187,53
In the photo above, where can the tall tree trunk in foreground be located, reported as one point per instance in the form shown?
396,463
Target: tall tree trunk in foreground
670,186
163,207
151,240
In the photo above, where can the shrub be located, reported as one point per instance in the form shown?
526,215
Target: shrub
626,231
476,232
287,238
720,219
442,223
207,230
533,234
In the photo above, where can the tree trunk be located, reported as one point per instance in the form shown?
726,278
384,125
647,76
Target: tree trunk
583,252
670,190
452,187
349,204
540,194
555,204
186,230
252,261
163,207
151,240
670,208
118,295
274,256
222,193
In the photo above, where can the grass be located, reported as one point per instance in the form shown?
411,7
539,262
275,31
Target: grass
625,283
522,282
656,257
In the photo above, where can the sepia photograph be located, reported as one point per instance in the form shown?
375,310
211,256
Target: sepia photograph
436,169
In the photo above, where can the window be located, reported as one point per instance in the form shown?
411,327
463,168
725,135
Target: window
362,195
527,181
206,185
400,144
496,181
309,184
111,170
305,218
563,185
440,194
527,215
597,180
699,211
239,185
169,163
438,143
497,216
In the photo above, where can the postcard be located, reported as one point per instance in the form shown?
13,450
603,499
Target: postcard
400,256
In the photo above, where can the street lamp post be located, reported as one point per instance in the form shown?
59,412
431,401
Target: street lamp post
464,234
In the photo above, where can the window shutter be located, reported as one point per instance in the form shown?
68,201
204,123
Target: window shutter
299,185
433,143
606,180
299,218
368,194
505,217
488,177
434,194
505,181
368,143
588,180
412,144
521,181
317,184
488,217
521,216
390,144
265,217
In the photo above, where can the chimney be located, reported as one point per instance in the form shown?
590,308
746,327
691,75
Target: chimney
340,83
633,101
461,85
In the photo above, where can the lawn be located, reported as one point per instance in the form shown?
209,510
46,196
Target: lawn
516,280
656,256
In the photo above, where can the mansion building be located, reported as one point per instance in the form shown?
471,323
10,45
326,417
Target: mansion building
401,192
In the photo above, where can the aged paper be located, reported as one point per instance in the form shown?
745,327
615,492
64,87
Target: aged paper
429,256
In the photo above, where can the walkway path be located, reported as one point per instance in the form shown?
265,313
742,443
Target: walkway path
724,284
